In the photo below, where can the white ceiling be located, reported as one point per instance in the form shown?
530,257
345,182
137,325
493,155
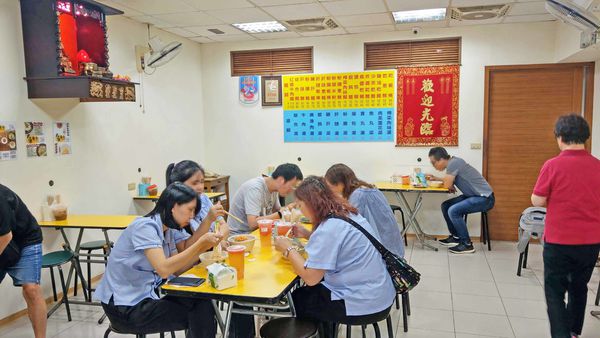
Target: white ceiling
192,18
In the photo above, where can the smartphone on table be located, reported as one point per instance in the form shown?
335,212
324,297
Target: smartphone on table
186,281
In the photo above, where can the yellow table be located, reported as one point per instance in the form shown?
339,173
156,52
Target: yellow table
399,190
213,196
268,278
83,222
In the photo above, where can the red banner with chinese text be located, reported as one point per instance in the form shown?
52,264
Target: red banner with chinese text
427,106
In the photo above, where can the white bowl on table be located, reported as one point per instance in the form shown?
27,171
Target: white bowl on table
436,184
246,240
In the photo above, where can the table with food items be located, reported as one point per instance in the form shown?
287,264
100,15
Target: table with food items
256,277
399,190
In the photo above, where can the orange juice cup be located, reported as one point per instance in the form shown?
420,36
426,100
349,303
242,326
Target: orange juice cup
265,227
405,180
283,228
236,259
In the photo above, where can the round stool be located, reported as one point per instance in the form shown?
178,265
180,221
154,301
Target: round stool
57,259
89,247
289,328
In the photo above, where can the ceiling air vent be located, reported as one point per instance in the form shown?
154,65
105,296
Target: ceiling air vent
311,25
216,31
479,12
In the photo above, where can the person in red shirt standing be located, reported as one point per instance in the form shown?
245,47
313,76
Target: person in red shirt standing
568,187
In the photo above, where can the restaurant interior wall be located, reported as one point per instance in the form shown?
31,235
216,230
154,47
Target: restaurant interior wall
255,134
110,141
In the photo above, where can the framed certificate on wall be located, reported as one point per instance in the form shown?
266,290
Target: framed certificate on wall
271,93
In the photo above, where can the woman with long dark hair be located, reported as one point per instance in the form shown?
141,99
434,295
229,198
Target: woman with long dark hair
370,202
345,275
192,174
151,249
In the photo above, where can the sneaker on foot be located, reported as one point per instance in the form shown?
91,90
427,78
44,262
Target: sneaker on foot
450,241
462,248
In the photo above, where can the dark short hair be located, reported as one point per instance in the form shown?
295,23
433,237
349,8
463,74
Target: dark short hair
438,153
288,171
572,129
182,171
176,193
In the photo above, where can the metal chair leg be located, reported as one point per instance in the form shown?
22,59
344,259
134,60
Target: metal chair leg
377,332
526,256
397,302
364,331
107,332
75,285
405,298
487,230
521,255
65,298
53,284
348,331
597,295
404,314
89,275
390,329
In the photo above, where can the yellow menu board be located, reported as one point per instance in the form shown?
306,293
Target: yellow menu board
339,90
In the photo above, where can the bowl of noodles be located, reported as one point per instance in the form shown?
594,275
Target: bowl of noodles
209,257
246,240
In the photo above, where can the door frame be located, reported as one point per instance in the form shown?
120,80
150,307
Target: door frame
589,98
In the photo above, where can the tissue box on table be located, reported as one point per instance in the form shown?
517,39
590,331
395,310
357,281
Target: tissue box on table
221,276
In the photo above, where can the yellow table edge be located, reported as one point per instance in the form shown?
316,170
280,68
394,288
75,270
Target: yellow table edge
405,187
92,221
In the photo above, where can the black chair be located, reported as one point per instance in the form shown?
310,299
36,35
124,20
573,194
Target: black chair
289,328
57,259
397,208
111,328
89,247
485,230
363,324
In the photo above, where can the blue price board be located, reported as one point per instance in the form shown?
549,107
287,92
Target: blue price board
341,125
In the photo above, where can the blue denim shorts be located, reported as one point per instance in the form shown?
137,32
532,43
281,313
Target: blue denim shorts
28,269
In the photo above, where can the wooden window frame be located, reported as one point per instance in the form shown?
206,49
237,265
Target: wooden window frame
273,72
367,44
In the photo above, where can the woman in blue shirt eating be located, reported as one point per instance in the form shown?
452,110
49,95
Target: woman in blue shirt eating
345,275
151,249
370,202
192,174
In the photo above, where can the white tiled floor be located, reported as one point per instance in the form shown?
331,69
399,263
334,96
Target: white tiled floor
465,296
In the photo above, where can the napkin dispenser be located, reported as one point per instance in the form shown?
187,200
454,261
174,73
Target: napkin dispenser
221,276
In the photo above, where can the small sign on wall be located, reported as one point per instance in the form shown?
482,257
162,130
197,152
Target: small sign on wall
8,141
35,139
271,90
62,138
249,89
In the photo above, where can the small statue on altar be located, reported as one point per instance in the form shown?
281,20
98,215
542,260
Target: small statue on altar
66,67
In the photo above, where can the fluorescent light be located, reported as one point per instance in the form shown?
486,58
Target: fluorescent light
434,14
261,27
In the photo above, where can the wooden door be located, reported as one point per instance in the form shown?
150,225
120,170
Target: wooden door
522,104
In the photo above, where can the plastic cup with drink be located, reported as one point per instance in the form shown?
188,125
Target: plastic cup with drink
265,227
236,259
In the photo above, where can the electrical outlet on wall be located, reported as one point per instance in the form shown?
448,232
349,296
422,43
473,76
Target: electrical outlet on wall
475,145
130,186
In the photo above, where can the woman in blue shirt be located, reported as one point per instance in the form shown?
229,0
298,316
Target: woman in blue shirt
151,249
370,202
192,174
345,275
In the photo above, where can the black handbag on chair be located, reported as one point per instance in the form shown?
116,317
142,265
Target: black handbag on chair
10,256
403,275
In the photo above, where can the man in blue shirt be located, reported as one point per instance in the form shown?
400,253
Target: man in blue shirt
477,196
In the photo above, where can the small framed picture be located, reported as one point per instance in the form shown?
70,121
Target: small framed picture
271,90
